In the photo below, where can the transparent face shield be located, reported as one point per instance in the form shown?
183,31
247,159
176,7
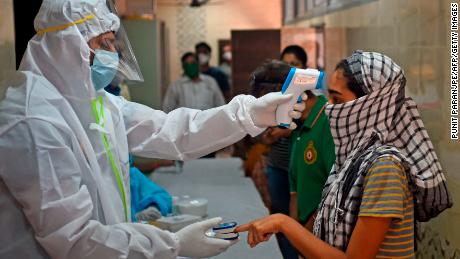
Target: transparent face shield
128,68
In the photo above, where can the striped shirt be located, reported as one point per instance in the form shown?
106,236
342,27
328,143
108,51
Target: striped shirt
387,194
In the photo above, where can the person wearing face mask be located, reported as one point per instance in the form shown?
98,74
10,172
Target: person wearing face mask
299,161
226,64
311,150
203,52
69,196
193,89
386,175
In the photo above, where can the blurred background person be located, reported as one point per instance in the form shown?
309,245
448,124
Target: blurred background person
193,89
203,52
311,149
277,158
226,64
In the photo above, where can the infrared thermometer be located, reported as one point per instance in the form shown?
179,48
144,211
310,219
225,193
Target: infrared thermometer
297,82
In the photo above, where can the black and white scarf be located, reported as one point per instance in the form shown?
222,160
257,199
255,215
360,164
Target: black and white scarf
383,122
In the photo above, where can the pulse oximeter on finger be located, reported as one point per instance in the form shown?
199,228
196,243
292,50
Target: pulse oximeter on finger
224,231
227,227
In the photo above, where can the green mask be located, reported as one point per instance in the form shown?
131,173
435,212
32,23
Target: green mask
191,70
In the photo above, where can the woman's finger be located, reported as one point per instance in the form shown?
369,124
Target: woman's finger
242,228
263,230
260,237
250,238
256,233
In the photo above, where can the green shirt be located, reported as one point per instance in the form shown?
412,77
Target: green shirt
312,154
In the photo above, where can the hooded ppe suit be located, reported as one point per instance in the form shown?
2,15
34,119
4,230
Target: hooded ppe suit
64,186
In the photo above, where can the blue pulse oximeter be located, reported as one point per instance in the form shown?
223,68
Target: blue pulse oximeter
225,231
225,227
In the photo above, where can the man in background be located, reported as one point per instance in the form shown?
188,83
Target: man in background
226,65
203,51
193,89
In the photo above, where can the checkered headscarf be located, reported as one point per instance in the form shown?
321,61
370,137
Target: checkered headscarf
383,122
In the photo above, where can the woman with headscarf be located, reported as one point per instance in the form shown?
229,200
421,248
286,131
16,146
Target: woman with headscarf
386,175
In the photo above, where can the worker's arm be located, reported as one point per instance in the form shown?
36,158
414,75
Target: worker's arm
365,241
47,184
185,134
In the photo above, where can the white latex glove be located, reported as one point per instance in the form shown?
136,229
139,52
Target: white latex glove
263,109
149,214
194,243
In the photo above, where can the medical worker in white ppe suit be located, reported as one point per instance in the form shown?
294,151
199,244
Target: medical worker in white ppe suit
64,144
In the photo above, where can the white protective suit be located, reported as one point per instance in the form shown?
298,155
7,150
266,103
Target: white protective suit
59,192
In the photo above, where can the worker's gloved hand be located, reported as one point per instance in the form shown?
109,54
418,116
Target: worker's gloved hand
193,241
263,109
149,214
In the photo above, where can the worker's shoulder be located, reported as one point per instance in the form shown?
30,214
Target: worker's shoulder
29,96
23,88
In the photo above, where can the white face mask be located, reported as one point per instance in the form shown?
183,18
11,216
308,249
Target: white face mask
203,58
227,56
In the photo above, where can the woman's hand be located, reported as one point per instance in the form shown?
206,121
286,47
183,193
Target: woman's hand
262,229
365,242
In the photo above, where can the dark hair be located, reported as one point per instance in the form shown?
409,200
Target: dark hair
268,77
352,83
203,45
186,55
298,51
